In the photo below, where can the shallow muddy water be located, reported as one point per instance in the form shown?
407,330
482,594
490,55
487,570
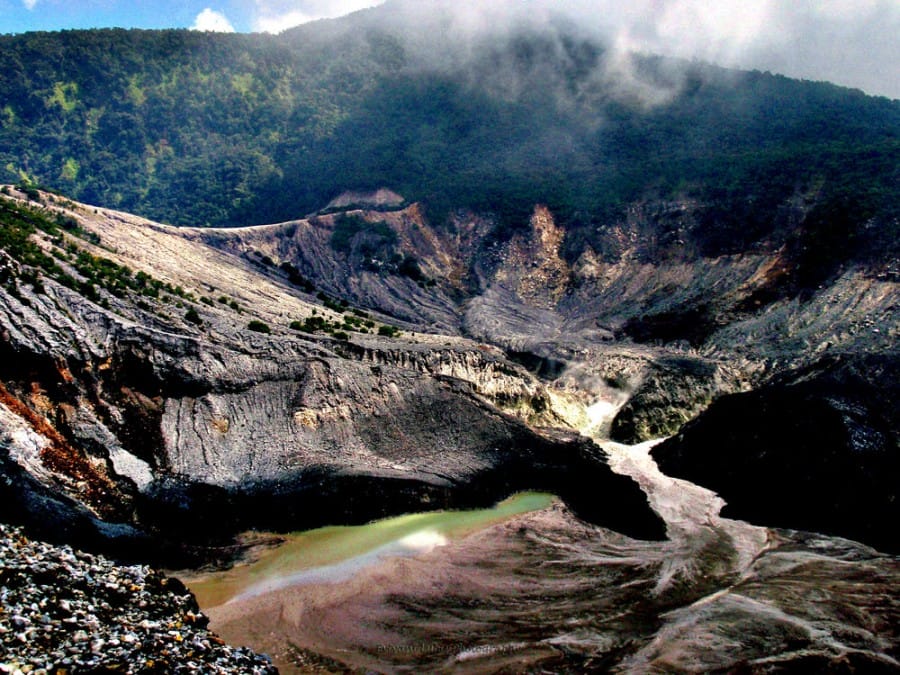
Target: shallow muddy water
527,586
334,554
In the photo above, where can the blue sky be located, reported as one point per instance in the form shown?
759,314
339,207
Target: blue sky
17,16
854,43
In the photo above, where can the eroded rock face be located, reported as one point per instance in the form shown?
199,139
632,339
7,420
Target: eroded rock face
818,450
135,415
160,409
532,265
382,198
670,391
655,277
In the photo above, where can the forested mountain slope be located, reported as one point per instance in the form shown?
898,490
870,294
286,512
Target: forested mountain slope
208,129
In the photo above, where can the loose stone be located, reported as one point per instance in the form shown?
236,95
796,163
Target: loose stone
68,612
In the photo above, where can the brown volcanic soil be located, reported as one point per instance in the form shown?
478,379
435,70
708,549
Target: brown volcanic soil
491,600
546,592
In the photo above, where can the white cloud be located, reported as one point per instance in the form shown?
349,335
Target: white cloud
275,23
849,42
274,16
29,4
211,21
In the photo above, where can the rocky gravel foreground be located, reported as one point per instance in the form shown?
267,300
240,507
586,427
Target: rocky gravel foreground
63,611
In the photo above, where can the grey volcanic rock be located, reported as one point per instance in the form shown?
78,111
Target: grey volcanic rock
378,412
124,412
671,391
817,450
68,611
382,198
306,244
650,279
160,410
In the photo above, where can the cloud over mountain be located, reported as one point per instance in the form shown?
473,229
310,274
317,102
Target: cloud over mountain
853,44
274,16
212,21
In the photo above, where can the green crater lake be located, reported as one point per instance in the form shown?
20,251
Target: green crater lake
331,554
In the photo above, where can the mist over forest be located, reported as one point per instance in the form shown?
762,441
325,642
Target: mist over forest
488,109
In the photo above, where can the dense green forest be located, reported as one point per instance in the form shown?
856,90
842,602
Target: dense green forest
210,129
